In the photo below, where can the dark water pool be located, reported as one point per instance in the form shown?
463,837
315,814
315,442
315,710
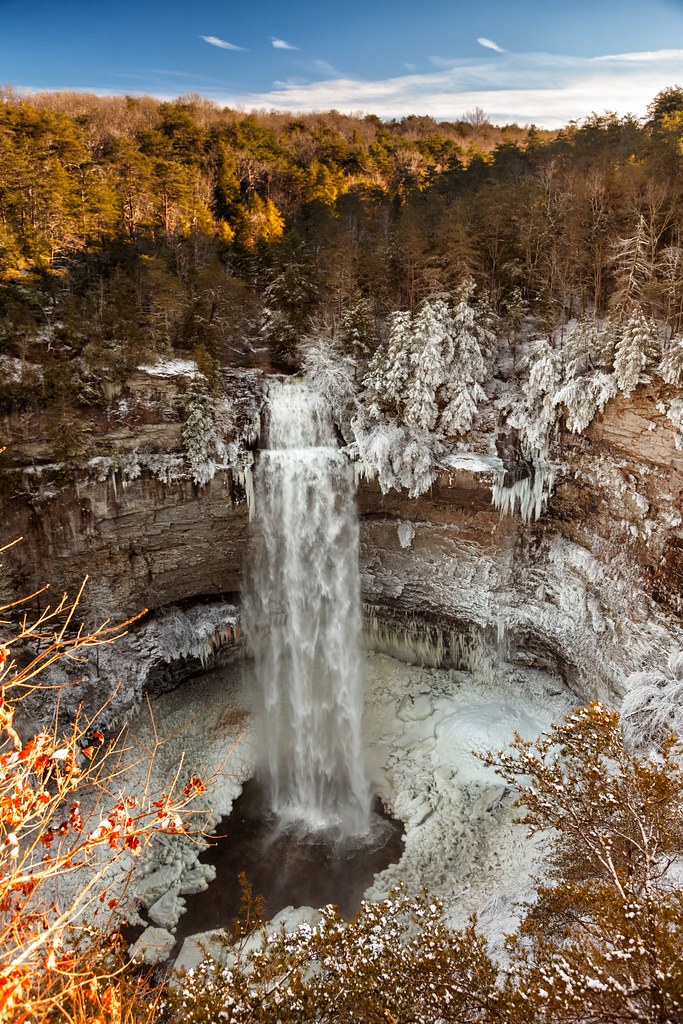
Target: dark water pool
285,866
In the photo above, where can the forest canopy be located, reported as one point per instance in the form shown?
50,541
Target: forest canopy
130,227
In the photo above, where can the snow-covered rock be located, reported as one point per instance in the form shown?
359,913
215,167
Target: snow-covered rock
153,946
197,947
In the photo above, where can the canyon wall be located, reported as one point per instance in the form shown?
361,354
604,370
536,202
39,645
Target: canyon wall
593,589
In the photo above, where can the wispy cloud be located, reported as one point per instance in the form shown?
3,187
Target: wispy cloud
490,45
215,41
322,67
546,89
280,44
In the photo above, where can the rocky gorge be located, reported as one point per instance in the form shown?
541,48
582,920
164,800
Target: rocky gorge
506,619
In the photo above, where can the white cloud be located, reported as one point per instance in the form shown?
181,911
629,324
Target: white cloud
215,41
490,45
546,89
280,44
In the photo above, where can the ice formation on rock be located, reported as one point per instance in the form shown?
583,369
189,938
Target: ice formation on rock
304,616
530,494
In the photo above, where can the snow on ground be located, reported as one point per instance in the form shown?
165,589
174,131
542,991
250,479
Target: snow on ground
461,840
205,732
472,463
172,368
201,728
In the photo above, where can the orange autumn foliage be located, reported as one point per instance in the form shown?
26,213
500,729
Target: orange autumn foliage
63,811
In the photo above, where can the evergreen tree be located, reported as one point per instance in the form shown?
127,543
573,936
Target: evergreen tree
206,422
579,348
585,395
543,376
458,415
290,300
670,273
431,341
489,327
671,366
227,188
538,421
467,366
633,260
637,348
516,310
358,331
606,341
390,368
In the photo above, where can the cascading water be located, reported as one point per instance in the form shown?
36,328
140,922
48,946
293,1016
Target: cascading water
304,617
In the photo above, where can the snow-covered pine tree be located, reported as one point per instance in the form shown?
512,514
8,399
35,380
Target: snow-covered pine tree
458,415
637,347
543,375
670,274
516,310
606,340
540,415
671,366
432,346
358,331
583,396
470,336
466,369
331,374
390,368
585,390
398,455
207,421
489,327
580,348
634,268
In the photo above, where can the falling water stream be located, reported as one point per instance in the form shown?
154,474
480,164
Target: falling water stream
304,618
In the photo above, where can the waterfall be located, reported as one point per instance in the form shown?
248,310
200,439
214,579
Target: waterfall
304,616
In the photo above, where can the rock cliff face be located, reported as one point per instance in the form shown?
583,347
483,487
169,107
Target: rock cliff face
145,542
594,589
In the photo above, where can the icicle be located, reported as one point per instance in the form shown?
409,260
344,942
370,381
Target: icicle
362,471
530,494
429,644
245,478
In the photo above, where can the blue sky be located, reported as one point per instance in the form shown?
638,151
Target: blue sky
523,61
